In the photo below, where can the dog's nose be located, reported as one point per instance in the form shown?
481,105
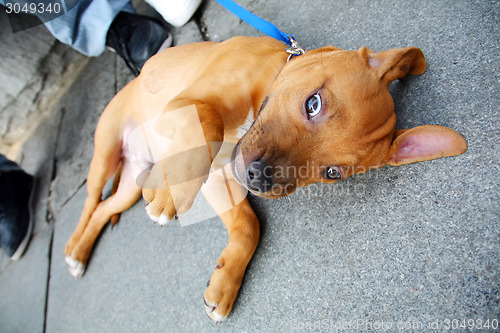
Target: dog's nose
259,177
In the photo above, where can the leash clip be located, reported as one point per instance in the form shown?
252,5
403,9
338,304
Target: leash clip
295,48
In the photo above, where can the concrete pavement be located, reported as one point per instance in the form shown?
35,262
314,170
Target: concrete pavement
410,247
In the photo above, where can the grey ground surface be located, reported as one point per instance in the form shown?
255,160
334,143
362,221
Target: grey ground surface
414,246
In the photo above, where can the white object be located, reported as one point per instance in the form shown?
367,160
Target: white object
175,12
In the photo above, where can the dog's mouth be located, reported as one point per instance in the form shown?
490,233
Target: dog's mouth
238,166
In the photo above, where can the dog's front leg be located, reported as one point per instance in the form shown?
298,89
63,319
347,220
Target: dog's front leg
244,232
176,179
228,199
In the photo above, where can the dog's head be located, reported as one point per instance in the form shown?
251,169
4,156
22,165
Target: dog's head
329,115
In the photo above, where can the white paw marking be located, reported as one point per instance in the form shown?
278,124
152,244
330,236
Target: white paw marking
217,318
163,219
76,268
151,216
213,314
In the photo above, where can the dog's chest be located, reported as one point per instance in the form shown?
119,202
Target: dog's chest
143,146
231,138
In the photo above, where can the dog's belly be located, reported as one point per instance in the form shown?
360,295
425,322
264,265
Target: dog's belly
143,146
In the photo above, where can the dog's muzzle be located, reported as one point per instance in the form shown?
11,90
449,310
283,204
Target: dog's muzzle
256,176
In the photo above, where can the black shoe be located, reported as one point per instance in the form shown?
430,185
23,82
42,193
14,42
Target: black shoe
15,219
136,38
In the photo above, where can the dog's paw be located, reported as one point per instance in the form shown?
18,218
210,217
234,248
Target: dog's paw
162,219
221,292
164,205
173,183
213,313
76,268
159,205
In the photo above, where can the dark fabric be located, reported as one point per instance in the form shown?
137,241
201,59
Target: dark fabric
15,190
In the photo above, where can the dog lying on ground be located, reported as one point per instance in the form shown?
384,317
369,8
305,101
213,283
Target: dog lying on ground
174,130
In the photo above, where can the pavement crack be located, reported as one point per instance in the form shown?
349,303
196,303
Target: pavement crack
73,194
50,212
43,87
117,74
200,22
28,86
12,128
47,287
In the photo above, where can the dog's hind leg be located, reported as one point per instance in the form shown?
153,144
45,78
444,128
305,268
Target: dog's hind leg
116,180
127,194
104,163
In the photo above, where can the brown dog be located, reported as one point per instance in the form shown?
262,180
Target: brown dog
324,116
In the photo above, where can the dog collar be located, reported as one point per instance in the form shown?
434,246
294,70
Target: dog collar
295,48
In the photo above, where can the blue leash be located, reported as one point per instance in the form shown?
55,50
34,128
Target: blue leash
263,26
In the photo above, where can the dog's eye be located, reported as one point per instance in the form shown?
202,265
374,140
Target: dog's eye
313,105
332,174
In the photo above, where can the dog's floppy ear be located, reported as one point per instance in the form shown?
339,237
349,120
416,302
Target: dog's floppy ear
397,63
424,143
